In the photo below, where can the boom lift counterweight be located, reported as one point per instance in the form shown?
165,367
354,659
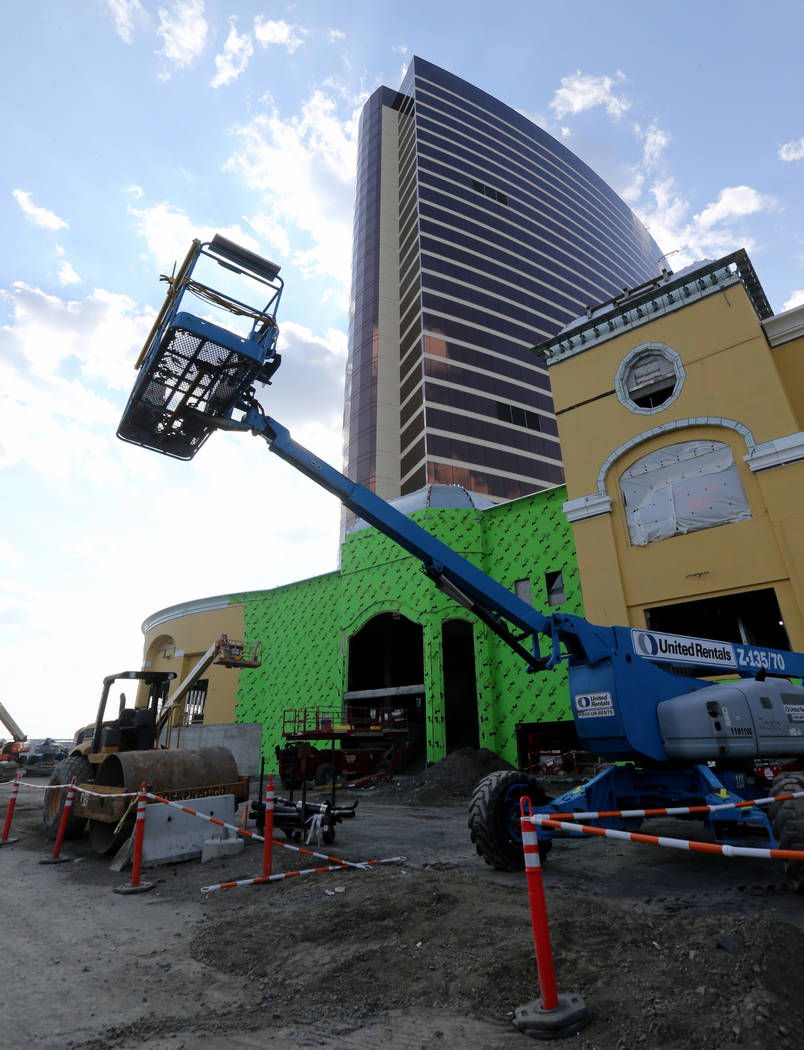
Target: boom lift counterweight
672,739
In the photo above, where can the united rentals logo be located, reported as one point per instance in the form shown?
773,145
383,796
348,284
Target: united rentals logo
594,705
677,648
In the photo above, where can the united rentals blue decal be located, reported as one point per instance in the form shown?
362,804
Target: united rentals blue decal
677,648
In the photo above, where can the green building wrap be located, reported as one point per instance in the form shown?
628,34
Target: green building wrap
308,628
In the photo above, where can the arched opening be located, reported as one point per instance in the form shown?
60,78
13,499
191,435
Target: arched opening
460,685
386,673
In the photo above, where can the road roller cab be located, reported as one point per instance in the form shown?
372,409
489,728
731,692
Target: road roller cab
112,758
134,728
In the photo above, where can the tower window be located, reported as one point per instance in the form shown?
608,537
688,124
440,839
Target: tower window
520,417
489,191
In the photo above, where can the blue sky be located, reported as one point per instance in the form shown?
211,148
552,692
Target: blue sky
132,126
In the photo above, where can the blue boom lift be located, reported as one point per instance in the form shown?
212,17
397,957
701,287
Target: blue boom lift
668,738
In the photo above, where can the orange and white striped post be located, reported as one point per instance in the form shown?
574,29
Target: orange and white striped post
5,840
268,828
139,833
551,1016
54,858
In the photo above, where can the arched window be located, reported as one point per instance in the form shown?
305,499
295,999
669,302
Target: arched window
682,488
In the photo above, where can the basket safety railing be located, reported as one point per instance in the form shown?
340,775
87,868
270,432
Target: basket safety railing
235,653
310,722
194,370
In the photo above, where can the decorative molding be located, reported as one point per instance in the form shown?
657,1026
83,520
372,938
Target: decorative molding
599,502
667,428
782,328
587,506
175,612
776,453
628,362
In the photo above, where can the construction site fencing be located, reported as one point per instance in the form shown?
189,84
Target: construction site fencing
144,796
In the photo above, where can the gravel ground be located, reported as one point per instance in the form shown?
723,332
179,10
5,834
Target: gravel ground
667,949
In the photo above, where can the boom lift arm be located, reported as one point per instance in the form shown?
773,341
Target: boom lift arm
11,725
631,694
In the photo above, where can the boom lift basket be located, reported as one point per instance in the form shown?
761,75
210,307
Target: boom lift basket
193,370
231,653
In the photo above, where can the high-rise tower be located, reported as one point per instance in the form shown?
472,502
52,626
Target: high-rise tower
476,236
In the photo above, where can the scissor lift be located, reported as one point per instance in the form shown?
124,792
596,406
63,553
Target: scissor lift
193,369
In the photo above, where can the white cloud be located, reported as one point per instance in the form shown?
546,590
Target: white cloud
9,556
734,202
123,13
792,150
712,232
268,32
400,49
183,29
234,58
796,299
579,92
303,167
38,216
67,274
168,233
334,36
134,191
654,142
56,349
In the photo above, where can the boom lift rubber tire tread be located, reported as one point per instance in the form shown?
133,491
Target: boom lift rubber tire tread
494,817
78,767
787,821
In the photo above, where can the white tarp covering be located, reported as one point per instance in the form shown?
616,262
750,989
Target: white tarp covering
682,488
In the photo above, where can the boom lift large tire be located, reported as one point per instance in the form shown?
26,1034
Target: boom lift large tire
78,767
787,821
494,817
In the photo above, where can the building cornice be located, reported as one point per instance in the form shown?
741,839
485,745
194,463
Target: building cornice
782,328
175,612
776,453
590,506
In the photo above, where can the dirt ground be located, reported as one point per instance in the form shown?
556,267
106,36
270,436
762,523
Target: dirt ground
668,949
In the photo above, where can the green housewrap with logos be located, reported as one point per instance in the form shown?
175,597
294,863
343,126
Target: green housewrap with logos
310,628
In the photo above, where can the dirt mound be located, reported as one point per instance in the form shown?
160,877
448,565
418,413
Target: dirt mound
705,981
454,777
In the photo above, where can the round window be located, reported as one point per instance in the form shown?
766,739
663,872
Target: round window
649,378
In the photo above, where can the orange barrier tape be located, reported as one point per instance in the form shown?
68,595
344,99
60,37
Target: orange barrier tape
724,849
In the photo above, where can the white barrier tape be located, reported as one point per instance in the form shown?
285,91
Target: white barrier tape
293,874
724,849
363,865
84,791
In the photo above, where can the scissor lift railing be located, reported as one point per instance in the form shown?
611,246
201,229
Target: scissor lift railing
192,369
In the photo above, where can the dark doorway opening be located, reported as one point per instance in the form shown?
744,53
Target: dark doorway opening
752,617
386,672
460,685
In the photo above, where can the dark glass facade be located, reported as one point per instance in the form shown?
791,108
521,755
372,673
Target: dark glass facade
477,235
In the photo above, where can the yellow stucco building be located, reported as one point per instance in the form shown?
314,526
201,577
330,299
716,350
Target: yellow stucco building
680,409
177,637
